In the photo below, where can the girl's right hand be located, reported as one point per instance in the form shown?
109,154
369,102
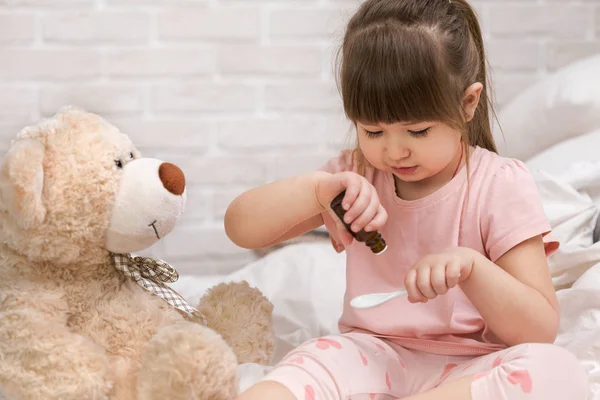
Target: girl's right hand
361,202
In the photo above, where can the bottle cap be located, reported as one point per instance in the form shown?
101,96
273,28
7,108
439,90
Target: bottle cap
382,251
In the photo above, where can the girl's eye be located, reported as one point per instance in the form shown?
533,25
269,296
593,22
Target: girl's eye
373,134
419,133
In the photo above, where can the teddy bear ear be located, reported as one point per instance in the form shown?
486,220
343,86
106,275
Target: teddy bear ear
22,181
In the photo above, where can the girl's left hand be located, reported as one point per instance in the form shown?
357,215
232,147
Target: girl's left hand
434,274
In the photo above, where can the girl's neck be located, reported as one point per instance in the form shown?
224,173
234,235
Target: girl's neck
411,191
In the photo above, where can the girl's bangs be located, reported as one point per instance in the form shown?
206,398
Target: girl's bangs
395,74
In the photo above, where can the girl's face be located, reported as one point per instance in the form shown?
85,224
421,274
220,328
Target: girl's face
413,151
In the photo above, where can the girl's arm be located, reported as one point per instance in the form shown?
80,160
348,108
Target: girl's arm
515,295
269,214
284,209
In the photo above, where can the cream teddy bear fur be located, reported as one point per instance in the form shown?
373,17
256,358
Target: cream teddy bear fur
73,191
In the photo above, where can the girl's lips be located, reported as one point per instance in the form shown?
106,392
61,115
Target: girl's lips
405,170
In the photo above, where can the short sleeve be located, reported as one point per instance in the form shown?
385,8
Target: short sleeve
345,161
512,211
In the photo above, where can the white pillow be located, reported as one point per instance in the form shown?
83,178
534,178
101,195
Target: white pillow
561,106
575,161
567,154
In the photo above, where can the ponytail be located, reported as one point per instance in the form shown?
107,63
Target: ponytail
479,130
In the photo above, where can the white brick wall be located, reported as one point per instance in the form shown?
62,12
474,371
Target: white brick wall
237,92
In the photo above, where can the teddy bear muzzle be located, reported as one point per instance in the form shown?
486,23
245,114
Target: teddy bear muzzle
150,201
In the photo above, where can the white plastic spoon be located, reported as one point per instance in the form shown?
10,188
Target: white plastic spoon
375,299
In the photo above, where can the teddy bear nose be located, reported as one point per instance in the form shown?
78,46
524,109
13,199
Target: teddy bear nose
172,178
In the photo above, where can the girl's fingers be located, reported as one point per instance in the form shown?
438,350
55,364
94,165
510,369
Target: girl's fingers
343,234
452,273
359,205
368,214
352,184
410,284
424,282
438,279
378,220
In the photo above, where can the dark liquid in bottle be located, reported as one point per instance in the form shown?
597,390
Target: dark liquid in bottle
372,239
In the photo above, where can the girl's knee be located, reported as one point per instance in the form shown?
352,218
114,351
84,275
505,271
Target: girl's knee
553,356
558,367
267,390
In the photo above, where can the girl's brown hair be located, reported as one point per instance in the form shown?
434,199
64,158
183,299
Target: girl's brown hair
411,61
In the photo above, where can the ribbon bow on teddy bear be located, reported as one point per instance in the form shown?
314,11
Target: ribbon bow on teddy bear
152,274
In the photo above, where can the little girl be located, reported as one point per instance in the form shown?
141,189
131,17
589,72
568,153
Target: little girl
465,228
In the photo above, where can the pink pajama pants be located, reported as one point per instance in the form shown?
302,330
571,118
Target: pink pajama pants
359,366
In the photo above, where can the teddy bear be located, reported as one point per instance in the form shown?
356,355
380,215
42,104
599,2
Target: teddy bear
82,317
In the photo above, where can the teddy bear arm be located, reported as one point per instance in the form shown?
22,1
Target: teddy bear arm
41,358
243,316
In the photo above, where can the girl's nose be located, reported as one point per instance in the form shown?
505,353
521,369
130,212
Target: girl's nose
396,151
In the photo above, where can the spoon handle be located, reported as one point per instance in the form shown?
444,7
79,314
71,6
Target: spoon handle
375,299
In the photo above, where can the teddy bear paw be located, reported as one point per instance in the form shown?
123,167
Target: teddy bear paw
243,316
187,361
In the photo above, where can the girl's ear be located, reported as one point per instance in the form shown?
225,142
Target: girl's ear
471,100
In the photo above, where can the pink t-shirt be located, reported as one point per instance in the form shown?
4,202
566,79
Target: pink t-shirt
500,209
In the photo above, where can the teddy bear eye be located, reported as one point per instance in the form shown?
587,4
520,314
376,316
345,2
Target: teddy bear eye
131,155
119,164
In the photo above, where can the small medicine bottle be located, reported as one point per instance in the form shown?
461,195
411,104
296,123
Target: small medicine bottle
372,239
